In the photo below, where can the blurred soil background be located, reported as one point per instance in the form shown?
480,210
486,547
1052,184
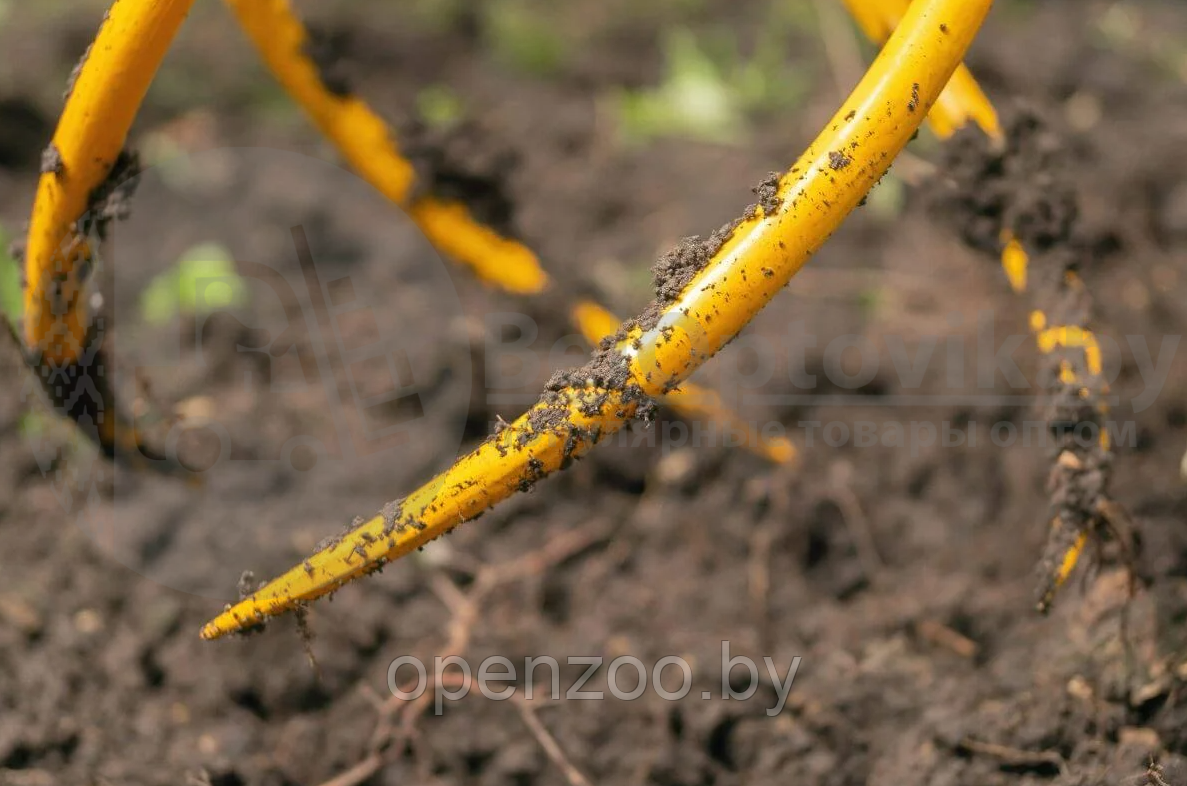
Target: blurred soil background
904,580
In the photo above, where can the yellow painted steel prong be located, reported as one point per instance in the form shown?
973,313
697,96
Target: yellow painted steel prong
594,321
696,403
503,262
1067,563
690,401
873,18
1072,337
106,93
764,251
1015,262
369,146
962,100
1070,558
511,460
1048,339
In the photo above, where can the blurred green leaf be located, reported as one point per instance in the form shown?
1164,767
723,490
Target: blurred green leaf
693,101
32,424
869,301
709,88
888,199
11,297
203,281
59,437
439,107
522,37
437,15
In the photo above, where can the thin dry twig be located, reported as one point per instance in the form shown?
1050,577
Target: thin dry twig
395,729
943,636
549,744
1014,757
840,45
841,494
759,570
762,540
1154,773
358,773
859,529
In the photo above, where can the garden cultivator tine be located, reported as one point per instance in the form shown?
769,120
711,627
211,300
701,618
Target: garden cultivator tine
68,330
85,179
962,100
369,146
708,291
1080,397
691,401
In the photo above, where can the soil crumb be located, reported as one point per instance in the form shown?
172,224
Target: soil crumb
675,269
464,164
1022,187
111,200
74,72
51,160
608,371
246,585
16,250
328,50
767,192
837,160
391,513
673,272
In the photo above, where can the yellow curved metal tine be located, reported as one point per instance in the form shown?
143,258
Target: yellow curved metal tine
104,97
761,255
962,99
690,400
369,146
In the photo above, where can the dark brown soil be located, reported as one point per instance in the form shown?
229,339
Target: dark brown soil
51,160
1023,188
111,200
457,164
903,578
27,129
328,49
675,269
1023,185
